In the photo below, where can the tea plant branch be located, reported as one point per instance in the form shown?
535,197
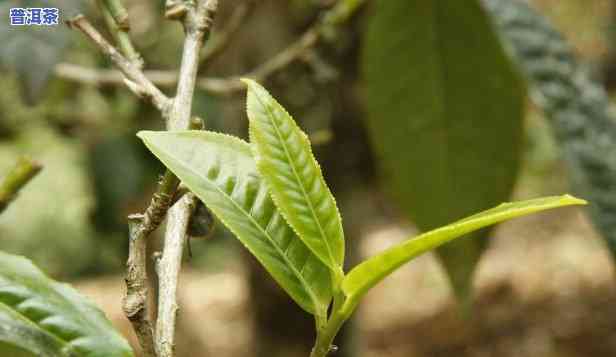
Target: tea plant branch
116,19
110,77
168,269
22,172
324,27
197,23
135,304
133,76
118,13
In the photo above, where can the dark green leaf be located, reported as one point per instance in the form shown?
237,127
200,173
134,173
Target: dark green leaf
577,107
285,161
221,171
50,316
445,116
370,272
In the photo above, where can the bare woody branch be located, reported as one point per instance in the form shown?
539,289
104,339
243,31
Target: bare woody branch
332,18
134,78
135,304
17,177
136,301
168,269
197,23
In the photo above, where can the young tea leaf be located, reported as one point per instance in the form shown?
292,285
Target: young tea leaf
221,171
370,272
446,109
46,315
285,161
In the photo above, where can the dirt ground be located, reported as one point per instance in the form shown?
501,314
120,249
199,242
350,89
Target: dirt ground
545,288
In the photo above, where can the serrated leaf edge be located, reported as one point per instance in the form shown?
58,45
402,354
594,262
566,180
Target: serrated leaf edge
337,263
313,296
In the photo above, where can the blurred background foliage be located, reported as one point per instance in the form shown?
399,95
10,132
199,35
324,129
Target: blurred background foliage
71,220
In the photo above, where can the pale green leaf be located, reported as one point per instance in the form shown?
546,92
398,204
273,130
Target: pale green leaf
445,114
285,161
221,171
370,272
53,314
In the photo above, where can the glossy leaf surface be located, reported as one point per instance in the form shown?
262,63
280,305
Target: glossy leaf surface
370,272
285,161
49,316
221,171
445,116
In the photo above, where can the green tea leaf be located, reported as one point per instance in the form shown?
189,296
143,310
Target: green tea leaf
221,171
370,272
17,331
445,116
47,315
285,161
577,107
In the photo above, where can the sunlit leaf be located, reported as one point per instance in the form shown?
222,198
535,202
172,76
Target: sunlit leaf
285,161
445,116
370,272
47,316
221,171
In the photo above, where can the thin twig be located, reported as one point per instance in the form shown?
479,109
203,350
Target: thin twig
118,12
17,177
116,19
134,78
167,79
231,85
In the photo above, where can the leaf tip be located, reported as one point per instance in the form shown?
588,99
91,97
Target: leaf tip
248,82
143,134
572,200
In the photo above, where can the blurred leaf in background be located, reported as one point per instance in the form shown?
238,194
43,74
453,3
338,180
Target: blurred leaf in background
445,116
50,221
577,107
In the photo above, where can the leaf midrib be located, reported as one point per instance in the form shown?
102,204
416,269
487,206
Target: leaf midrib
312,295
75,315
442,99
301,184
26,318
